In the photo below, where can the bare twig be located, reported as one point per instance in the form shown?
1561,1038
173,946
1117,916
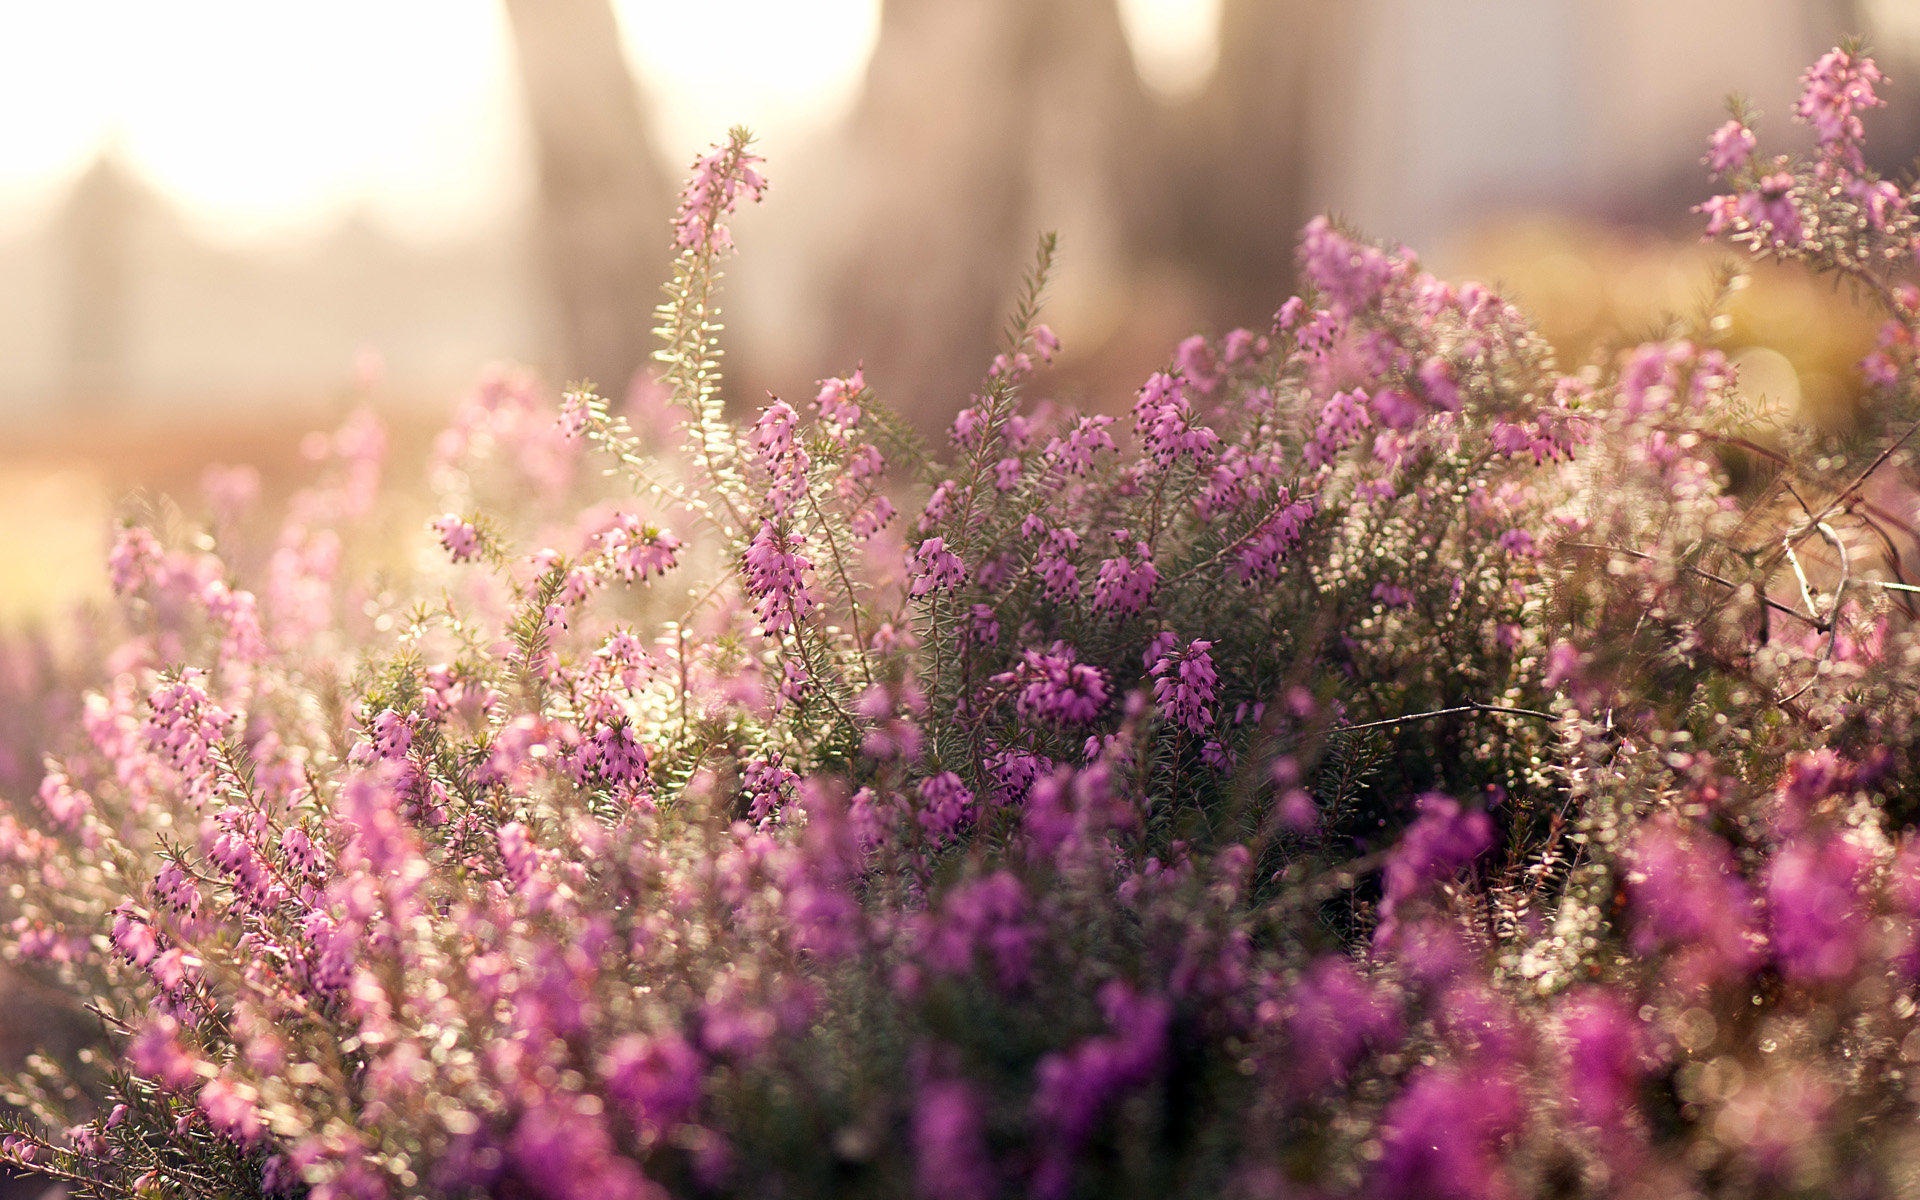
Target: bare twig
1707,575
1470,707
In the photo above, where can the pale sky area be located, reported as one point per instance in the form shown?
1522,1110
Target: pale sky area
259,117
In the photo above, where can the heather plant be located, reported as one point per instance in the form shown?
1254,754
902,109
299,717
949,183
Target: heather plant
1382,761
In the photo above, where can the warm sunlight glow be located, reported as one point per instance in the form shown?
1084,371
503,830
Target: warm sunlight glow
1175,42
259,118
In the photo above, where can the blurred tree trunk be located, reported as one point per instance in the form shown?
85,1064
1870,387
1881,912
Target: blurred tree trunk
1238,158
604,197
982,122
95,236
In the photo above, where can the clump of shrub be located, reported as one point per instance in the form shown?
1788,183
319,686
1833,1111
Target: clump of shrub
1386,762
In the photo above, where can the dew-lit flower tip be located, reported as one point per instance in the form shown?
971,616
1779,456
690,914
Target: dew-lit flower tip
459,537
134,559
837,403
720,179
637,551
1350,275
1730,147
1834,91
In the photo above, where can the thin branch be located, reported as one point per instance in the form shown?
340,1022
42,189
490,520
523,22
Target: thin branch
1806,589
1471,707
1839,589
1709,576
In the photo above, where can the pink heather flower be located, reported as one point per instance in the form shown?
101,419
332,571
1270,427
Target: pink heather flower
1123,585
1770,205
185,728
1440,384
1518,542
176,889
1058,575
564,1152
1241,345
768,785
1444,838
1056,687
614,755
1341,420
1722,213
1834,92
134,560
968,426
1163,421
721,178
1397,409
1261,553
1046,343
951,1159
1684,891
1815,908
865,463
776,575
1073,451
1077,1087
1443,1135
1880,199
1011,366
1731,147
231,1108
946,806
873,518
637,551
779,454
838,404
773,432
461,539
1332,1016
1006,473
237,612
155,1052
1607,1057
655,1079
133,937
983,624
940,504
1543,442
1349,275
65,805
1020,430
935,568
1879,369
987,919
392,734
1184,684
518,856
1392,595
1194,360
1013,772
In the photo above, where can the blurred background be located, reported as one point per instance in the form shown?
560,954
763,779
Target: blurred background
224,222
